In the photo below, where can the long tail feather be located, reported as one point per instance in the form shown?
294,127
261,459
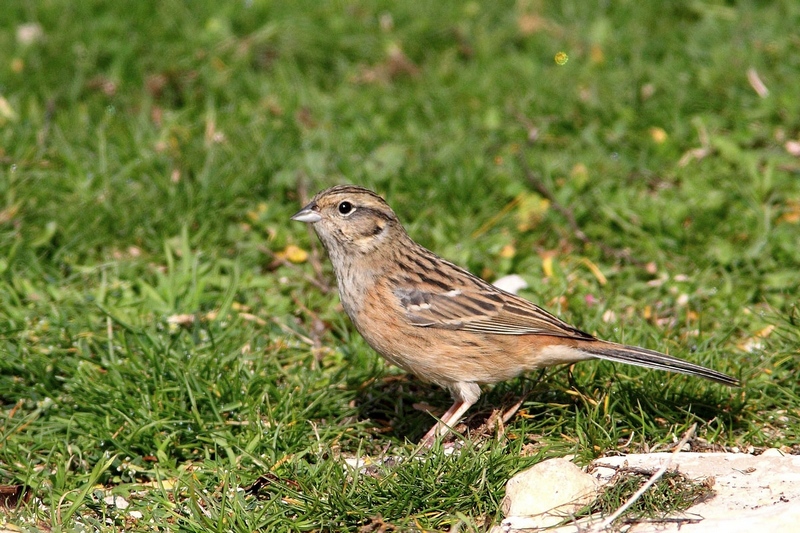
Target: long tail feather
634,355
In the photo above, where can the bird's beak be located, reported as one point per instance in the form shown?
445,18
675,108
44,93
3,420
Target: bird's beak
309,213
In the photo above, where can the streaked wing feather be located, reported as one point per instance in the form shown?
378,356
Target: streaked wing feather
487,310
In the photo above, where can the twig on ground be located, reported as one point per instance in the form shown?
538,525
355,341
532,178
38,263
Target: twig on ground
513,409
286,329
568,214
276,260
542,189
605,524
510,412
496,422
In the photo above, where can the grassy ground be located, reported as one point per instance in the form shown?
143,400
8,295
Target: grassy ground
152,152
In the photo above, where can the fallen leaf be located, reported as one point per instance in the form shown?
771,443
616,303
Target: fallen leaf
579,170
508,251
547,264
6,111
529,23
756,83
11,495
253,318
293,254
236,306
755,342
183,320
695,154
658,135
790,216
596,54
595,270
8,214
166,484
531,208
765,332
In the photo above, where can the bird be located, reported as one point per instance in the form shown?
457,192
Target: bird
440,322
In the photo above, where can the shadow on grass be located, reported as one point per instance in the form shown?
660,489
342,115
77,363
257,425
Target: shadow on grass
395,404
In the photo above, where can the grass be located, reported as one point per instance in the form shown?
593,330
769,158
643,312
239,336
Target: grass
673,493
152,348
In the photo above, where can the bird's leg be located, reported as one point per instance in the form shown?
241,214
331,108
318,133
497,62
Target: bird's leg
450,417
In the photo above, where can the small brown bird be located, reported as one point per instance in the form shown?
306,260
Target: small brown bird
438,321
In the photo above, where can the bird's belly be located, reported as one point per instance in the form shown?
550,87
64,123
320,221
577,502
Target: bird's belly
445,356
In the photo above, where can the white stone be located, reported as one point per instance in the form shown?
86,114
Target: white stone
117,501
29,33
546,494
512,283
752,493
772,452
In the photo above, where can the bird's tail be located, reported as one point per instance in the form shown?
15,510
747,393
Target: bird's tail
634,355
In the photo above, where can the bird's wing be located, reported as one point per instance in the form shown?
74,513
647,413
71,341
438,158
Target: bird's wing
480,310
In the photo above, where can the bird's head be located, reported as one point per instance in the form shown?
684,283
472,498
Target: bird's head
350,220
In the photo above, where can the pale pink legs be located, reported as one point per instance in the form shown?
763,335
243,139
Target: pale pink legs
450,418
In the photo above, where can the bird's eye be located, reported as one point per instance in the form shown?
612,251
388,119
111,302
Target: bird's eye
345,208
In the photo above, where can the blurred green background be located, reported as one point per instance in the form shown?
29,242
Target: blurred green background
165,336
